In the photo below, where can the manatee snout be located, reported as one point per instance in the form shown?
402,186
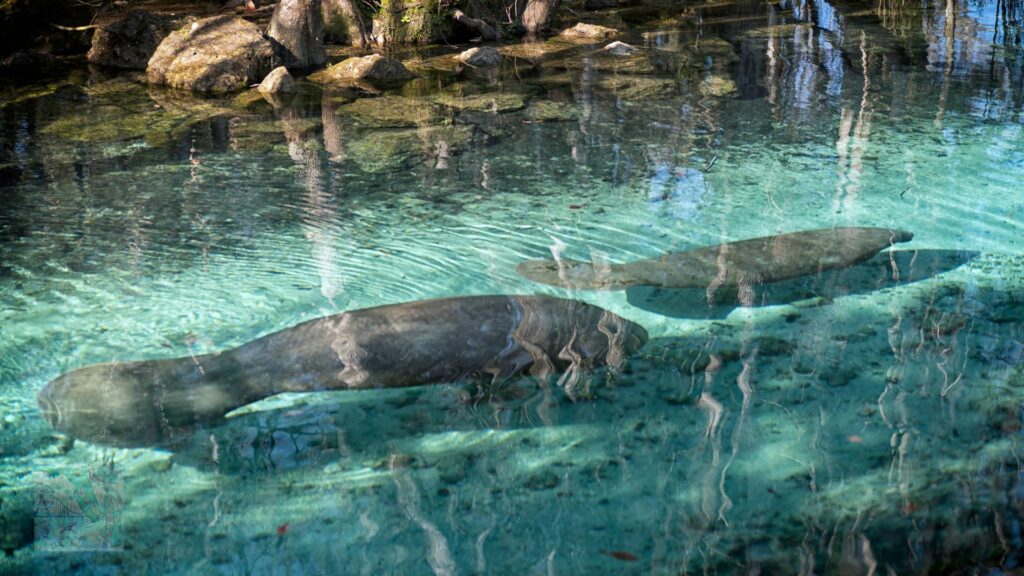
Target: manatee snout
49,409
105,401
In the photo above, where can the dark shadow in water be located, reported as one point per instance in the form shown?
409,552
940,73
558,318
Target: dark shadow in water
888,269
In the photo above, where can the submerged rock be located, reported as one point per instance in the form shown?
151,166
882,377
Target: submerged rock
537,51
588,32
481,57
717,86
131,41
500,102
298,28
548,111
120,110
392,112
219,54
620,49
396,150
278,81
372,67
639,87
619,61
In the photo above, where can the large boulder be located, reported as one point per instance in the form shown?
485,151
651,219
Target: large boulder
218,54
481,57
373,67
297,27
130,41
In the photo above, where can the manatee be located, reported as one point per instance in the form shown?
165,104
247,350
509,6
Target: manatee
487,339
734,264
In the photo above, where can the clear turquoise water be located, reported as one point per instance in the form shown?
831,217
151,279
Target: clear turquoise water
862,422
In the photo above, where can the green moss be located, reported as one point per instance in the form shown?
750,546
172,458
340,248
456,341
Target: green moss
392,112
547,111
496,103
640,63
121,110
717,86
395,150
638,88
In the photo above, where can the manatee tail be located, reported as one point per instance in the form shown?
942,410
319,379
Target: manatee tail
574,274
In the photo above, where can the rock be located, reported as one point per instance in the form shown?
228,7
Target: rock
548,111
382,151
297,27
218,54
392,112
638,88
639,62
537,51
717,86
619,49
278,81
130,41
588,32
496,103
481,57
373,67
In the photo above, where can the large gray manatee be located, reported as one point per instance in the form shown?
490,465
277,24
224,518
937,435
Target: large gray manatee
450,340
739,264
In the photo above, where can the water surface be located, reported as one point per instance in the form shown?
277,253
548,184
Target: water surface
864,421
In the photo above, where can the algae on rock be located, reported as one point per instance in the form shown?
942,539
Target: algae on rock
549,111
395,150
392,112
497,102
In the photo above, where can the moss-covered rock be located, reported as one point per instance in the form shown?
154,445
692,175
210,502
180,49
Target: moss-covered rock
250,100
498,103
131,41
588,32
638,62
392,112
481,57
121,110
278,81
639,88
374,68
444,63
219,54
717,86
548,111
395,150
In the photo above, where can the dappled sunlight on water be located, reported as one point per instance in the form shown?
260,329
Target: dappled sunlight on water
861,420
